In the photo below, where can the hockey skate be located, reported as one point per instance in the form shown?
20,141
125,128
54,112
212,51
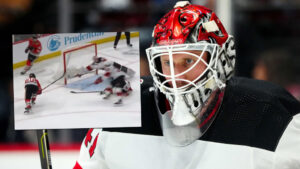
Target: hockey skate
23,72
119,102
27,110
26,69
106,96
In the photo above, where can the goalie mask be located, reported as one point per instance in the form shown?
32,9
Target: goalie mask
190,59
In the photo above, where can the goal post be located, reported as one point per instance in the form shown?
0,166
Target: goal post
78,56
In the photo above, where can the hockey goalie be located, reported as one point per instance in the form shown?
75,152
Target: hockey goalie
116,73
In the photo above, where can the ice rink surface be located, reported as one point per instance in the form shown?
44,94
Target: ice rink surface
57,108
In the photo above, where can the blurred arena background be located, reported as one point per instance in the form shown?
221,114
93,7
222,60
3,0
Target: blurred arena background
266,32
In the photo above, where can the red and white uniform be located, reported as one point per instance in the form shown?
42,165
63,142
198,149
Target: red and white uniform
108,68
35,47
33,81
267,137
115,72
32,88
116,150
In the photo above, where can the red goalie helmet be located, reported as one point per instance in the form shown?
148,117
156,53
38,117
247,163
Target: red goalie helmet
191,58
189,24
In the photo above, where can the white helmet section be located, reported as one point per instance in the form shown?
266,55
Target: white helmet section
194,101
188,96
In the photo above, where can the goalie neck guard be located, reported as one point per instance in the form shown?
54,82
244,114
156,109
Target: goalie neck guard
190,59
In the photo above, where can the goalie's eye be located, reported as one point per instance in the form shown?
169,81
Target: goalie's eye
189,61
166,63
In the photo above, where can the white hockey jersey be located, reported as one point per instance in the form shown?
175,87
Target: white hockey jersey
258,127
114,150
109,69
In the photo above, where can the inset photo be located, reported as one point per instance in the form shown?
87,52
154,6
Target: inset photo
76,80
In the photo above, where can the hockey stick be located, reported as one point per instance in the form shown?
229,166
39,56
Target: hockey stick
54,81
101,92
44,149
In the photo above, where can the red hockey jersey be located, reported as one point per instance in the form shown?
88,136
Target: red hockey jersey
35,47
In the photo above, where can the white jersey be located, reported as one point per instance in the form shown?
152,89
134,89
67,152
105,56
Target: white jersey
112,71
101,65
265,134
108,69
114,150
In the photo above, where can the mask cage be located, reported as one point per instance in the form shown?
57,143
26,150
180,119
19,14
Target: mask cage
162,80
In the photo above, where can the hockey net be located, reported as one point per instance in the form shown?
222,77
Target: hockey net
75,58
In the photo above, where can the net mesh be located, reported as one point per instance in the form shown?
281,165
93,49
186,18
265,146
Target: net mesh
73,59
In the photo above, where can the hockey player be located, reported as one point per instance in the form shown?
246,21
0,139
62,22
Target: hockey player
118,86
33,49
117,73
118,36
32,89
195,113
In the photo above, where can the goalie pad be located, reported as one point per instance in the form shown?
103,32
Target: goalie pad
75,72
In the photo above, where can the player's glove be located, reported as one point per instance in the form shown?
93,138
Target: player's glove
39,91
